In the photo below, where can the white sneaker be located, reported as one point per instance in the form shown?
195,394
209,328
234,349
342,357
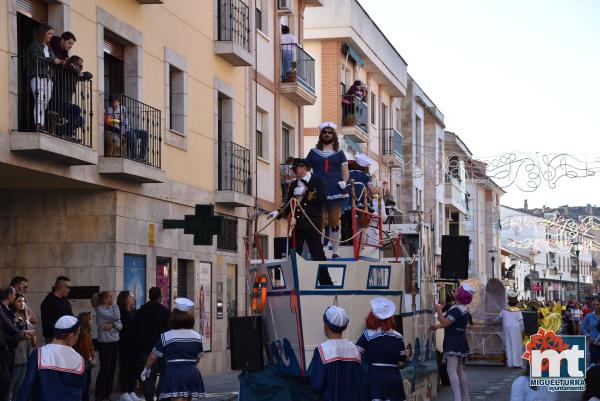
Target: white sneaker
134,396
126,397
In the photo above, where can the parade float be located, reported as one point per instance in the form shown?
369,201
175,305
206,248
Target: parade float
391,260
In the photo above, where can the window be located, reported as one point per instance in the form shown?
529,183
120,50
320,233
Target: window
330,276
286,144
418,141
182,274
261,135
383,116
259,15
379,277
276,276
373,108
261,246
176,99
228,240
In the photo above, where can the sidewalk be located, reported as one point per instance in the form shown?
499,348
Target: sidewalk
222,386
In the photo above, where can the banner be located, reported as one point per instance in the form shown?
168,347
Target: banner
205,303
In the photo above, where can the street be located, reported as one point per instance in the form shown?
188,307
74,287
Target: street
485,383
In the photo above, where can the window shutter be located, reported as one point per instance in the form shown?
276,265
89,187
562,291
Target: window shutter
259,121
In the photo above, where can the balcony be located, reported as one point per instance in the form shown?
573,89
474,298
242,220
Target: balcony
142,2
233,32
297,75
55,114
391,147
455,195
132,141
234,186
355,118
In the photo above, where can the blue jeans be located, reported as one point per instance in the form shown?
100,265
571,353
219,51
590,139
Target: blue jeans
132,137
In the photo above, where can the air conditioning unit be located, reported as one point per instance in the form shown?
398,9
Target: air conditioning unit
284,6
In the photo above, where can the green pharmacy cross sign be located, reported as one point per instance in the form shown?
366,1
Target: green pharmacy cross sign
203,224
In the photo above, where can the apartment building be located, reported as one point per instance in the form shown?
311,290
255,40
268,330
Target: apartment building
85,189
350,47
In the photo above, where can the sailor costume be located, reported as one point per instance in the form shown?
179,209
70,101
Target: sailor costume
335,370
328,167
455,338
55,372
382,351
180,350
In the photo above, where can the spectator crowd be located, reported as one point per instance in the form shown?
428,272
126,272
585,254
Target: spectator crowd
120,335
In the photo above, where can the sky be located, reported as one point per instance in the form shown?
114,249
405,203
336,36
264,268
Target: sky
509,75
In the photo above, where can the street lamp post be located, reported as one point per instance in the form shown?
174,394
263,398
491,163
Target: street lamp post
576,248
493,253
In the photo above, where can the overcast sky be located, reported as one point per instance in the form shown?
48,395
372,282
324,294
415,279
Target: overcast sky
508,75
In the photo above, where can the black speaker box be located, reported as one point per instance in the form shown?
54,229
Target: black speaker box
530,322
245,341
455,257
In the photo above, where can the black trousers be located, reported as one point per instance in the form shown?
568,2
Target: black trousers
149,384
105,380
313,240
127,368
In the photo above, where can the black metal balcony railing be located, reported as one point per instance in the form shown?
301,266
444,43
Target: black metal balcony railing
354,112
297,66
234,168
56,100
234,22
392,142
132,130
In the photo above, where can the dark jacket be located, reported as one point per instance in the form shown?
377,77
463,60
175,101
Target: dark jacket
151,320
312,203
127,335
35,66
53,308
58,51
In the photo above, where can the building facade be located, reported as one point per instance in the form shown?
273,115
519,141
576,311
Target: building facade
86,189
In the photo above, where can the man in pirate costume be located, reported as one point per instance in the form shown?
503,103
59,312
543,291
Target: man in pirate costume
512,326
309,190
55,372
336,373
330,164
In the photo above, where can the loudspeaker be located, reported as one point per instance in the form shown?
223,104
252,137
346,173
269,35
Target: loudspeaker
245,342
455,257
280,245
530,322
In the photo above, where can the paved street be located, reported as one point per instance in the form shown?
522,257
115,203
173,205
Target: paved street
491,383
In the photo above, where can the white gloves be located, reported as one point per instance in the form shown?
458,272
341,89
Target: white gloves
298,191
342,185
273,214
145,374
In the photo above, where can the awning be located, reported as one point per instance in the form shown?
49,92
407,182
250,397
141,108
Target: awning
353,54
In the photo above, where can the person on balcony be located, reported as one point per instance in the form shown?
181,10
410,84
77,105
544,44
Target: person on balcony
288,43
330,164
39,58
117,120
357,90
61,45
69,110
309,190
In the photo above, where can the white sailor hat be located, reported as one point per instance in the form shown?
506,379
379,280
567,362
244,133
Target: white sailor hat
512,294
183,304
469,288
65,325
327,124
382,308
363,160
336,318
